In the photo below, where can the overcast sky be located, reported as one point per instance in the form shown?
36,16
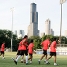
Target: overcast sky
21,14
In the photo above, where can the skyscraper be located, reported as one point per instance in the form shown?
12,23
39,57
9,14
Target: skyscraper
33,27
47,27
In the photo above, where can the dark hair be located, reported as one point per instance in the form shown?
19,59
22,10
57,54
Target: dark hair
31,41
25,36
54,39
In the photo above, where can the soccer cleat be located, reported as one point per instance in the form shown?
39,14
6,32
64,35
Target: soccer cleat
55,64
47,63
3,58
38,61
27,64
15,62
30,62
44,61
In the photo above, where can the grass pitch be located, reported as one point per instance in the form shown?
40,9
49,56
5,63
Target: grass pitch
8,62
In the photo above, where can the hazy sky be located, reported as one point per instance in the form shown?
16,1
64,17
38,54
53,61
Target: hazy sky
21,14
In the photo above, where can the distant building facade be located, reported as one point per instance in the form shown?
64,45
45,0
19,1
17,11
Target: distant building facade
47,27
51,32
65,33
19,33
42,34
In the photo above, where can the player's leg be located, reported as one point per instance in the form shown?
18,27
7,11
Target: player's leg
2,53
18,56
42,56
51,54
22,60
55,58
30,58
45,56
26,54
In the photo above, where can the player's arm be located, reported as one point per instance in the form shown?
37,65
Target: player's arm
41,44
49,43
23,42
20,44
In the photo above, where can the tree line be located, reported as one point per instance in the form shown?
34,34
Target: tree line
5,36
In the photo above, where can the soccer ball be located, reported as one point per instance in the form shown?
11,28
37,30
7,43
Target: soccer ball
21,61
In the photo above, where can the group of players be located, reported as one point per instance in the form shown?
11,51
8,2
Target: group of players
25,49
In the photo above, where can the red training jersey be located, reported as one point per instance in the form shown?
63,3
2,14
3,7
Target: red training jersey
20,46
24,47
30,48
53,46
45,44
2,47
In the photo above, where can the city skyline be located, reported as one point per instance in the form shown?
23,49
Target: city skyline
21,14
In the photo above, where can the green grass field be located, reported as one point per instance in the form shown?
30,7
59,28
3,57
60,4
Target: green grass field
8,62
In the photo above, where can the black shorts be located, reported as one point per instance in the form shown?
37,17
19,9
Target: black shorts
19,52
45,52
30,54
2,52
24,52
52,53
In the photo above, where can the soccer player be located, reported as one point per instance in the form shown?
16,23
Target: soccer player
45,45
23,48
2,49
30,51
52,51
18,53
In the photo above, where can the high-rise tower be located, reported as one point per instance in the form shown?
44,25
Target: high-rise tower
47,27
33,27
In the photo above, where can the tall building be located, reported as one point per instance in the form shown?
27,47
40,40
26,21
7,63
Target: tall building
65,33
47,27
33,27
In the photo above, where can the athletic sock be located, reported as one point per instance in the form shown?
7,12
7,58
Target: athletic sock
17,57
26,59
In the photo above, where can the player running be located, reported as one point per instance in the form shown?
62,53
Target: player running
45,45
2,49
19,53
23,49
52,51
30,51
